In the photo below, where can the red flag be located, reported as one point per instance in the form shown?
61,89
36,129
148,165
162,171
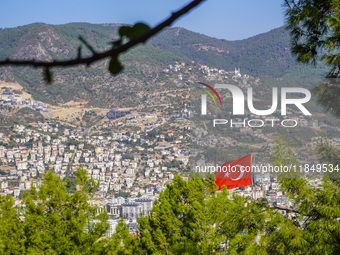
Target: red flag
234,174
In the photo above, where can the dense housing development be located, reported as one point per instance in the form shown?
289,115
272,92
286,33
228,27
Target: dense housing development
133,153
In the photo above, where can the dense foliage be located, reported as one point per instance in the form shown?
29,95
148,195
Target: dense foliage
189,217
314,27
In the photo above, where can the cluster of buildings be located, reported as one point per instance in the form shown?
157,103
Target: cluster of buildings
266,186
315,141
121,162
113,114
8,98
133,164
130,209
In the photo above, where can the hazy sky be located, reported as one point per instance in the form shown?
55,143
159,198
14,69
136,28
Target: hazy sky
225,19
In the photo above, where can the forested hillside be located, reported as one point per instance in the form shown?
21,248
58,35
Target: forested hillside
267,54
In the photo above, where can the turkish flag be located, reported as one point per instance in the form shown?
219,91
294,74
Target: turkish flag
235,174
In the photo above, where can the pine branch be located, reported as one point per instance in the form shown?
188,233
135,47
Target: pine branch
114,51
285,209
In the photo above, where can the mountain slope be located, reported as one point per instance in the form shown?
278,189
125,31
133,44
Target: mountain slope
266,54
93,84
263,54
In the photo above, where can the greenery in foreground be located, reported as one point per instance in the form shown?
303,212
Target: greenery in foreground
189,217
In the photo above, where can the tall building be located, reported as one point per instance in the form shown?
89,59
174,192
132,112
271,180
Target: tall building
114,210
145,204
131,210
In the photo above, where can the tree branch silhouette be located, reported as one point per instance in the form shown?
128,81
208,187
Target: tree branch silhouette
113,52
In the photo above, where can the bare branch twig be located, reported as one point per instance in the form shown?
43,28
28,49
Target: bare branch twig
114,51
288,210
